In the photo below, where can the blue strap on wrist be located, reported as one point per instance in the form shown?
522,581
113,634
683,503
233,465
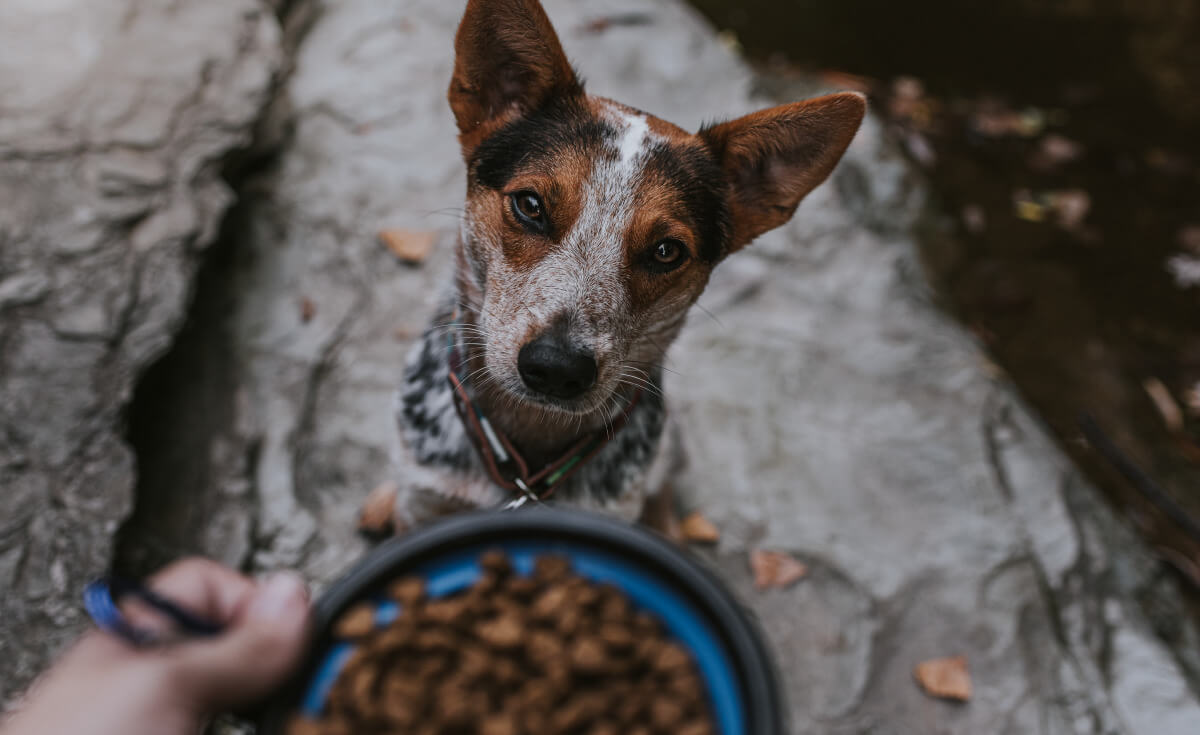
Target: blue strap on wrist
101,598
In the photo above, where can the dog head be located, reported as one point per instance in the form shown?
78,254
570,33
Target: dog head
590,227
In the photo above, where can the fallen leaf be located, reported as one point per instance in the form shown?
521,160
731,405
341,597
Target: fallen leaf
1167,407
729,39
1053,151
1070,207
974,218
992,121
919,147
909,88
401,334
698,529
775,569
1189,238
1028,208
845,80
1189,448
411,246
1168,162
307,310
907,93
1185,269
599,25
947,678
1191,399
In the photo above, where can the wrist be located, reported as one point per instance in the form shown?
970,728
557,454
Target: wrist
108,687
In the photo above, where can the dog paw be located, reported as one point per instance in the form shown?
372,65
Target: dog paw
375,518
660,514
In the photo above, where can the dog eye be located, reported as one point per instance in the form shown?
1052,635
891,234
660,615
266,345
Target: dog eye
667,255
529,210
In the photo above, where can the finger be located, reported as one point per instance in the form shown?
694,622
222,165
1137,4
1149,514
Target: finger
255,654
201,587
204,588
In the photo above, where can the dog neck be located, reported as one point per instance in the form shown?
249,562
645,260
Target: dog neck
539,433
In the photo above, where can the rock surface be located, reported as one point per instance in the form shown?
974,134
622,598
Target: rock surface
114,122
832,411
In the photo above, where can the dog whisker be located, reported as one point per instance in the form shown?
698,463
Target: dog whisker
711,315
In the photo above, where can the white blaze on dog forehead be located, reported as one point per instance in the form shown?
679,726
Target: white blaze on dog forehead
586,270
633,142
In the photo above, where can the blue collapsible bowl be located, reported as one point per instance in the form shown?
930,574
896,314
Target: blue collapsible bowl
658,577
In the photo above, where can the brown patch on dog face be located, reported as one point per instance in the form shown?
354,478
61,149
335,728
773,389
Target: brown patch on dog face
555,182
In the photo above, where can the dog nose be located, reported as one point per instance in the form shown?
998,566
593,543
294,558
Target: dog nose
556,369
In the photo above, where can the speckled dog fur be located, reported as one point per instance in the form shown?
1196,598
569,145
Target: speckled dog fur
598,223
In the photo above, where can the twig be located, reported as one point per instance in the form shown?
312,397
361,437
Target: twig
1141,481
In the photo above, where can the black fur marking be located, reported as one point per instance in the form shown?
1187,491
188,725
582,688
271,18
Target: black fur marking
695,174
425,397
627,456
564,123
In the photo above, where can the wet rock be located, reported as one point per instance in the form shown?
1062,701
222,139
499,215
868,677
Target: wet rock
110,189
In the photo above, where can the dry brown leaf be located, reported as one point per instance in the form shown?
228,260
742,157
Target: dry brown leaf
947,678
1191,399
411,246
1189,238
1071,207
307,310
1053,151
1167,407
375,516
845,80
919,147
698,529
974,218
775,569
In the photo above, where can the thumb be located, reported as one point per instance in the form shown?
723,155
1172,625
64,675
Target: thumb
255,654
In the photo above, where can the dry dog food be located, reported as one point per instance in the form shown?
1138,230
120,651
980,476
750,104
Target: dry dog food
547,654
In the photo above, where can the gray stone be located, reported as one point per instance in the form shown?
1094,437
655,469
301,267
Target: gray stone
114,120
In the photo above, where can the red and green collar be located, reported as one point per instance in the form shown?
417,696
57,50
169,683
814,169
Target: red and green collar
503,462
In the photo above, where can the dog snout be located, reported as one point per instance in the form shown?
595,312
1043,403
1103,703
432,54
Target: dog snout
555,368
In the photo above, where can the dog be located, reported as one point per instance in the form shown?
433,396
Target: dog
590,228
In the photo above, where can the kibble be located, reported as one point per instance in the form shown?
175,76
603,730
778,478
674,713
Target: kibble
545,654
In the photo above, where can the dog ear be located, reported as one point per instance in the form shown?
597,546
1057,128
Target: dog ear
508,60
773,158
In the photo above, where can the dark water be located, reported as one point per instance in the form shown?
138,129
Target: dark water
1082,311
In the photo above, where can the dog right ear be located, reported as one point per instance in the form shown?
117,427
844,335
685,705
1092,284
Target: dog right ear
508,62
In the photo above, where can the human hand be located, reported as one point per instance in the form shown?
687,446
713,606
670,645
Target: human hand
105,686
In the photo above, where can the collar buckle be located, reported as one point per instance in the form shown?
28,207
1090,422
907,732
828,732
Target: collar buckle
526,496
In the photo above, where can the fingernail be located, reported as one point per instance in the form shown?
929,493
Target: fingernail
280,595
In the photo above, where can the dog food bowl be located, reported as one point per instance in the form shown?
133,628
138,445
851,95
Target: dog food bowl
694,608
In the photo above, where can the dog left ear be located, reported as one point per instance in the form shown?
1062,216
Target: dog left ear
508,60
773,158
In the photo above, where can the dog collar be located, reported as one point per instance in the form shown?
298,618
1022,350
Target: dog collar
504,464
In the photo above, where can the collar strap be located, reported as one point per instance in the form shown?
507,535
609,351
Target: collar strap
504,464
